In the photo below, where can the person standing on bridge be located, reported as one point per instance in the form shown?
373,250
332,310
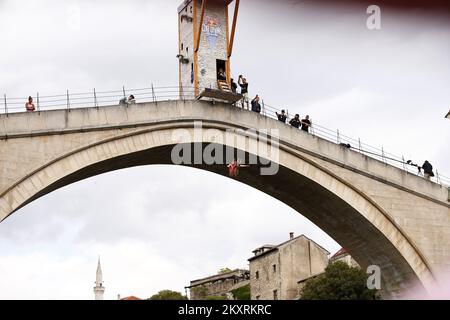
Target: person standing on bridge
296,121
256,106
306,123
427,170
281,116
233,86
29,106
244,90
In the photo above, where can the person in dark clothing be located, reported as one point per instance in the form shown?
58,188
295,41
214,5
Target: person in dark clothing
244,90
411,163
256,106
221,75
233,86
306,123
281,116
295,122
427,170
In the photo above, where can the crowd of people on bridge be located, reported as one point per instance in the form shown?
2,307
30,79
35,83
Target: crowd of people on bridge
296,122
303,124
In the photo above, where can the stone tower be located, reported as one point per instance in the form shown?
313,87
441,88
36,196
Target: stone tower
99,289
205,44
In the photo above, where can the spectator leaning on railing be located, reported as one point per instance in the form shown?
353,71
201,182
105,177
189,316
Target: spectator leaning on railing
427,170
306,123
256,106
281,116
29,106
131,99
295,122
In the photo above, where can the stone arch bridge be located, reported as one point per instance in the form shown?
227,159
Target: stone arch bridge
383,215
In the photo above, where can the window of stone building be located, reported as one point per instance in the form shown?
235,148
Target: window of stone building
257,297
274,267
275,294
257,274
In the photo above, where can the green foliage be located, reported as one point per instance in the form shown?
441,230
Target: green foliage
200,292
339,282
224,270
215,298
242,293
168,295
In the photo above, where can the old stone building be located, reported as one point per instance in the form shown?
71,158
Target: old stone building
275,270
219,285
344,256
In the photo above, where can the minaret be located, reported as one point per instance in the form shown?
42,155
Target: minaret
99,289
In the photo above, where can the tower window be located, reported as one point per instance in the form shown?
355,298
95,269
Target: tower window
182,46
257,274
275,294
274,268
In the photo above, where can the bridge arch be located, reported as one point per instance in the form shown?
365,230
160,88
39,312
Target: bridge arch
347,213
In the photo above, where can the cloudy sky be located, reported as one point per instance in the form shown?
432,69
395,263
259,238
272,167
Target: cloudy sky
160,227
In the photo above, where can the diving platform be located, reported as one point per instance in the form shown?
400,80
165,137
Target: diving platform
226,96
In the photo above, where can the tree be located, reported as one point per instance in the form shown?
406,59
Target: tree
200,292
242,293
339,282
224,270
168,295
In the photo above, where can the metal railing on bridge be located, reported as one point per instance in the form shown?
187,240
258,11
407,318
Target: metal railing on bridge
96,98
381,154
